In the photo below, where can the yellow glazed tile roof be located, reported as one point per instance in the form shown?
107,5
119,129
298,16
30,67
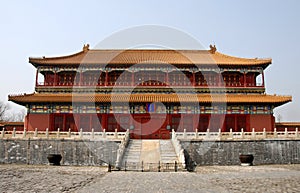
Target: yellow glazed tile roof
149,56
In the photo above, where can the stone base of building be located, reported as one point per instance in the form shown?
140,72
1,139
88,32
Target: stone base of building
87,152
228,152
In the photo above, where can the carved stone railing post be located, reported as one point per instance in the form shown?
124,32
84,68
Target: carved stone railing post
242,133
178,149
24,133
116,134
173,134
93,133
35,132
184,133
207,134
58,133
47,133
80,133
230,133
253,133
275,133
104,133
296,132
264,133
69,133
286,132
121,150
14,132
196,134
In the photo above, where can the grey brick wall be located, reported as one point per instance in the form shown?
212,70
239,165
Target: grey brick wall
86,152
74,152
227,152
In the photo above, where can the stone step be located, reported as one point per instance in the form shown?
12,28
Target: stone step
171,156
167,152
132,156
133,152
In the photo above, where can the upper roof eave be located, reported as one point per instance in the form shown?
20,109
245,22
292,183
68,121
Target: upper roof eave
175,57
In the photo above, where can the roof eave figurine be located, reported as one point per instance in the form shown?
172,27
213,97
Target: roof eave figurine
213,49
86,47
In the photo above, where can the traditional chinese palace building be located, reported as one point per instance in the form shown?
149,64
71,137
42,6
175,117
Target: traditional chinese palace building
149,92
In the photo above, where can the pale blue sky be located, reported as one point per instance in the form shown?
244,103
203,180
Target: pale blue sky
254,28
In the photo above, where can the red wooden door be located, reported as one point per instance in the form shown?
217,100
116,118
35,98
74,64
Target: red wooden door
150,128
58,122
70,123
137,132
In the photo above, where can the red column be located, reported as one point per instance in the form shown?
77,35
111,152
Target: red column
248,123
263,79
64,123
167,78
77,122
80,78
106,78
55,78
245,80
168,116
194,79
36,77
132,78
142,78
27,120
219,79
236,129
90,122
104,121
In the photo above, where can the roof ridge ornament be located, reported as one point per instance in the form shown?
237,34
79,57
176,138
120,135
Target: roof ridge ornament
213,49
86,47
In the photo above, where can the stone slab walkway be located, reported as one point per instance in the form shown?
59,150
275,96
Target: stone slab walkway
28,178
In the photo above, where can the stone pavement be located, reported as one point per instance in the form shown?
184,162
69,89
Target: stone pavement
45,178
270,178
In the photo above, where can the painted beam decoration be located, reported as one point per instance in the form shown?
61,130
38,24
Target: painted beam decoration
151,108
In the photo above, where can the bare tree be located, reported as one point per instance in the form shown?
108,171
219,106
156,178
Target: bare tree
6,115
3,110
18,116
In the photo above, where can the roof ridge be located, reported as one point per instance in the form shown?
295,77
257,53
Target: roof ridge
56,57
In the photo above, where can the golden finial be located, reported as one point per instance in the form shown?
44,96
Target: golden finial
213,49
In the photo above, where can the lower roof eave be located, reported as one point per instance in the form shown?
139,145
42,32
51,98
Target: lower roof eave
150,98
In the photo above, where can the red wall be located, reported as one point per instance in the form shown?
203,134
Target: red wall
43,121
9,126
39,121
291,126
17,127
259,122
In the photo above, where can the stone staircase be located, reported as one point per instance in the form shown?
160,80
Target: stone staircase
147,154
167,152
133,152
